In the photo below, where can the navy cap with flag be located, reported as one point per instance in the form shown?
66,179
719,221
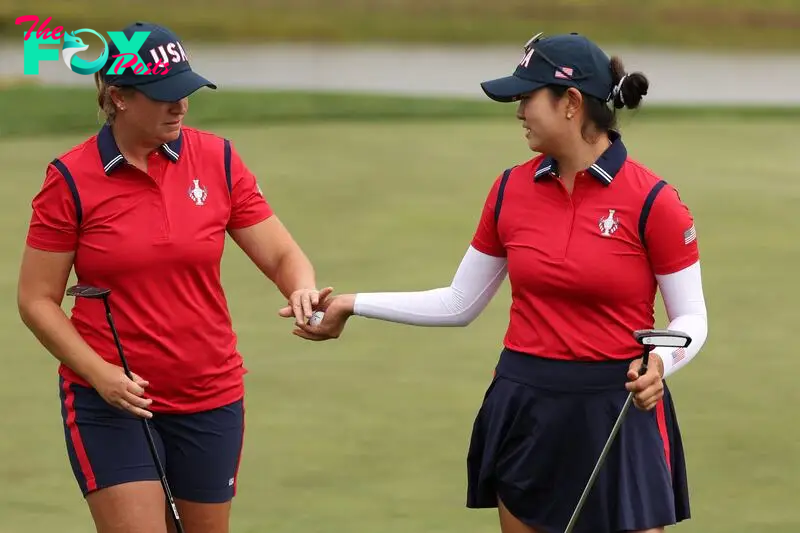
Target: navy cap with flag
175,78
569,60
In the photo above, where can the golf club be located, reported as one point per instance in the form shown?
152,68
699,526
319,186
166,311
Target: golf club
96,293
649,339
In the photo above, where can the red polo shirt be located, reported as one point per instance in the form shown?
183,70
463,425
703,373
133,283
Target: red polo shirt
156,240
582,280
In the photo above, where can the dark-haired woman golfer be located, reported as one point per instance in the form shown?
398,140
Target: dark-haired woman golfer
587,235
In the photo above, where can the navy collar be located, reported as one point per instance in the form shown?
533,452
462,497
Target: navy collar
112,158
605,169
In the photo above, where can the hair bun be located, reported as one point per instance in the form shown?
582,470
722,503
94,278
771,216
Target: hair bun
629,88
632,89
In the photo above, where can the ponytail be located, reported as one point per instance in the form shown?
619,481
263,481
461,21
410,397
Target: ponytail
107,110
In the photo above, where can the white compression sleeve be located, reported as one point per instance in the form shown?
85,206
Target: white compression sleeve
686,308
476,281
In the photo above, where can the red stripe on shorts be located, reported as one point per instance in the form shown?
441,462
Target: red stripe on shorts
239,459
661,418
75,436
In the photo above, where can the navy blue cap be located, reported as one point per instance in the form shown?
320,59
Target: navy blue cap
570,60
172,82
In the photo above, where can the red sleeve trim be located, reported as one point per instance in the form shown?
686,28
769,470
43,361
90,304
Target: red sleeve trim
488,250
250,221
48,245
675,266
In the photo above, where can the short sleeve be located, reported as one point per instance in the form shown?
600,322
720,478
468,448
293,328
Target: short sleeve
248,204
670,234
486,239
53,226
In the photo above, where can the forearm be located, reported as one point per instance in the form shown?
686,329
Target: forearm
294,271
422,308
475,283
55,332
686,309
273,250
696,326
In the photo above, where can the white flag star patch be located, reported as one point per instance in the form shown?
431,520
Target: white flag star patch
689,235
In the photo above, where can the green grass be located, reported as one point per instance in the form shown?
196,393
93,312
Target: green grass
743,24
39,110
362,435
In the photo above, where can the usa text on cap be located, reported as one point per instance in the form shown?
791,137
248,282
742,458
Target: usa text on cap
570,60
172,77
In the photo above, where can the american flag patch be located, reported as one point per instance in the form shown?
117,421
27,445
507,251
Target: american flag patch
689,235
678,355
564,73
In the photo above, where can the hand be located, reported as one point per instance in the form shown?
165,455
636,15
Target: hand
649,388
303,302
117,390
337,310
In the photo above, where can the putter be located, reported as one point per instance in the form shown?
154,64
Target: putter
96,293
649,339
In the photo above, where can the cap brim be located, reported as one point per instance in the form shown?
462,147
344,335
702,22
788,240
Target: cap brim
174,88
509,89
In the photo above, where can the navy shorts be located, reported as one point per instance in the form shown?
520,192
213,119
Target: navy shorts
200,452
540,431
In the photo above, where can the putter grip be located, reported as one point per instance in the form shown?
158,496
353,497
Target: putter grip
645,362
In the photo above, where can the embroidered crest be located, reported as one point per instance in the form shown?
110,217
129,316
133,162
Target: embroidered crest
198,193
608,224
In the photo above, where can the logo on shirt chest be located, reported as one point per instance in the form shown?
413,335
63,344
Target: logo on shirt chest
198,193
608,224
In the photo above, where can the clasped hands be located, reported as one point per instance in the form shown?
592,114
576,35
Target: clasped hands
304,302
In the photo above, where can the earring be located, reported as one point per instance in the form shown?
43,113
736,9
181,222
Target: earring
569,116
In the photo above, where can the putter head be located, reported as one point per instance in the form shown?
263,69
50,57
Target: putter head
652,338
87,291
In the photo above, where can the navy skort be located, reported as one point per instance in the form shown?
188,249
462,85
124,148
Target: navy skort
540,431
107,446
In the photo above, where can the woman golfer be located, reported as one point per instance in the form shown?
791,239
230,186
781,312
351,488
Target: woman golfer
143,208
587,235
